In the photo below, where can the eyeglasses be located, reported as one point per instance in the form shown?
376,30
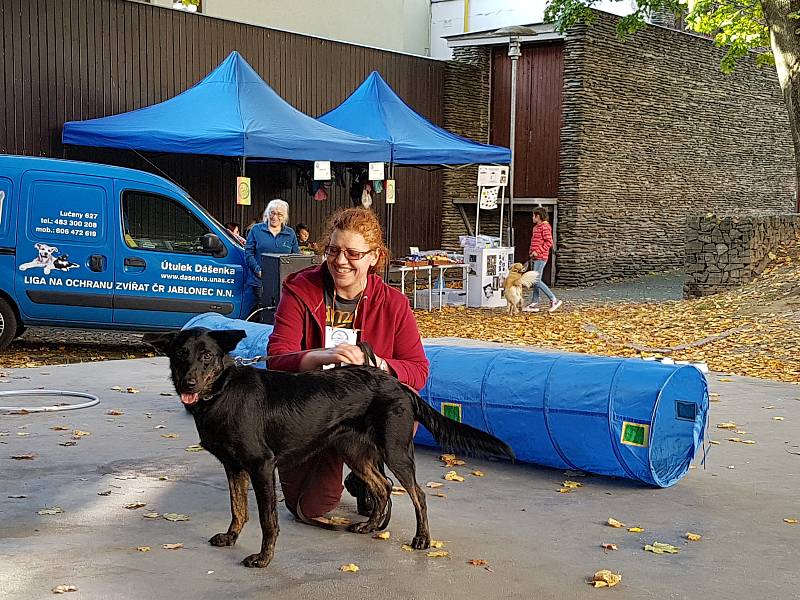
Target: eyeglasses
350,254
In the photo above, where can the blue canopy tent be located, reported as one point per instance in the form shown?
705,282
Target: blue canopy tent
231,112
375,111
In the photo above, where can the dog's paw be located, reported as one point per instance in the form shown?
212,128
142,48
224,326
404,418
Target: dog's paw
363,527
421,542
258,561
223,539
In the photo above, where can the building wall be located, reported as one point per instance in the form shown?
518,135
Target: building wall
401,25
653,132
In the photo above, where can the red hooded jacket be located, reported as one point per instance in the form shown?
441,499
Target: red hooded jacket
541,241
383,316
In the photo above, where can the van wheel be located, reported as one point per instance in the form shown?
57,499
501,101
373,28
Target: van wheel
8,324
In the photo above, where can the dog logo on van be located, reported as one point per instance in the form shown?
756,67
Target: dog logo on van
48,259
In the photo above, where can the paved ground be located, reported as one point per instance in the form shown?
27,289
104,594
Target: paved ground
657,287
538,543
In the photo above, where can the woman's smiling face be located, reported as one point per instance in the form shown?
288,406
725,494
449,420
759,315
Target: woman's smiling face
349,275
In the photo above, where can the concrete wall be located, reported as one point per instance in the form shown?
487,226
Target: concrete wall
401,25
652,132
723,252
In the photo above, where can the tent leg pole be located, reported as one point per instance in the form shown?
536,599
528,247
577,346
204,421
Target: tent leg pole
241,213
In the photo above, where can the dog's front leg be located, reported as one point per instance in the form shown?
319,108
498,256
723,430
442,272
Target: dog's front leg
237,484
263,478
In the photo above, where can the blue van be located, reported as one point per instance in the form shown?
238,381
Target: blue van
96,246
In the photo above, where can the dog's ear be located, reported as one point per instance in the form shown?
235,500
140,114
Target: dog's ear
228,339
159,341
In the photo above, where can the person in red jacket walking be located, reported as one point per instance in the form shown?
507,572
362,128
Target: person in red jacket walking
325,311
541,243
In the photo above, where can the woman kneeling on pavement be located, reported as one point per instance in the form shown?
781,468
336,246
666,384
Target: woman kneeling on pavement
326,310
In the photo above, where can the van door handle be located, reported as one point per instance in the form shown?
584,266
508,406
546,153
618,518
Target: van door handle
97,263
134,262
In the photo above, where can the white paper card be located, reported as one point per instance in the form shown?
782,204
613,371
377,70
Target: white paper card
322,170
376,171
339,335
491,176
489,198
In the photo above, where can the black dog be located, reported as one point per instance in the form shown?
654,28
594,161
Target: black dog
254,420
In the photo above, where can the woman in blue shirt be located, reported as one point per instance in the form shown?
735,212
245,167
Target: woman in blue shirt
271,236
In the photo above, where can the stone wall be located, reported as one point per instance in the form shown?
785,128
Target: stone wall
724,252
653,132
466,113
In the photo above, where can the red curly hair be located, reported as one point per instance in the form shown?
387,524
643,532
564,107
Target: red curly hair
358,220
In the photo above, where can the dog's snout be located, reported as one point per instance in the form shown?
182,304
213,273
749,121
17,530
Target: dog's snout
190,381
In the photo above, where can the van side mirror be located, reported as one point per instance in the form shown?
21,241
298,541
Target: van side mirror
213,245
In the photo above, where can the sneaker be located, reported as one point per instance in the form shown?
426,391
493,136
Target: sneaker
531,308
555,306
358,489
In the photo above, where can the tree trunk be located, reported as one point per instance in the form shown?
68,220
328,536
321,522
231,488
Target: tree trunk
785,42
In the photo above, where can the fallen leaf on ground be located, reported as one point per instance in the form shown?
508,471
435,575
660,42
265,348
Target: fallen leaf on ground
440,495
172,546
166,394
451,460
169,435
151,515
635,529
749,442
17,496
63,589
615,523
438,553
349,568
434,484
28,456
478,473
132,390
407,548
453,476
477,562
437,544
59,428
790,521
68,443
116,388
725,379
605,578
115,413
22,433
740,432
77,433
338,521
693,537
176,517
143,548
571,484
383,535
194,448
564,490
777,418
661,548
769,407
731,467
726,425
106,493
715,442
56,510
608,546
160,427
734,439
398,490
135,505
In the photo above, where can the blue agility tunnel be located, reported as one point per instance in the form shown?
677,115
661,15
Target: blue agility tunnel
255,344
611,416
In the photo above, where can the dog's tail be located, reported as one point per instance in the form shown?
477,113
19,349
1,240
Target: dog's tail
452,435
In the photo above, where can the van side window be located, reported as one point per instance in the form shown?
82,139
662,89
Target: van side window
153,222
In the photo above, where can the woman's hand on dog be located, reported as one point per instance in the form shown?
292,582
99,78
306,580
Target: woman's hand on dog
344,353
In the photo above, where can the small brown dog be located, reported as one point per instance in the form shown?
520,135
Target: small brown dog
517,279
